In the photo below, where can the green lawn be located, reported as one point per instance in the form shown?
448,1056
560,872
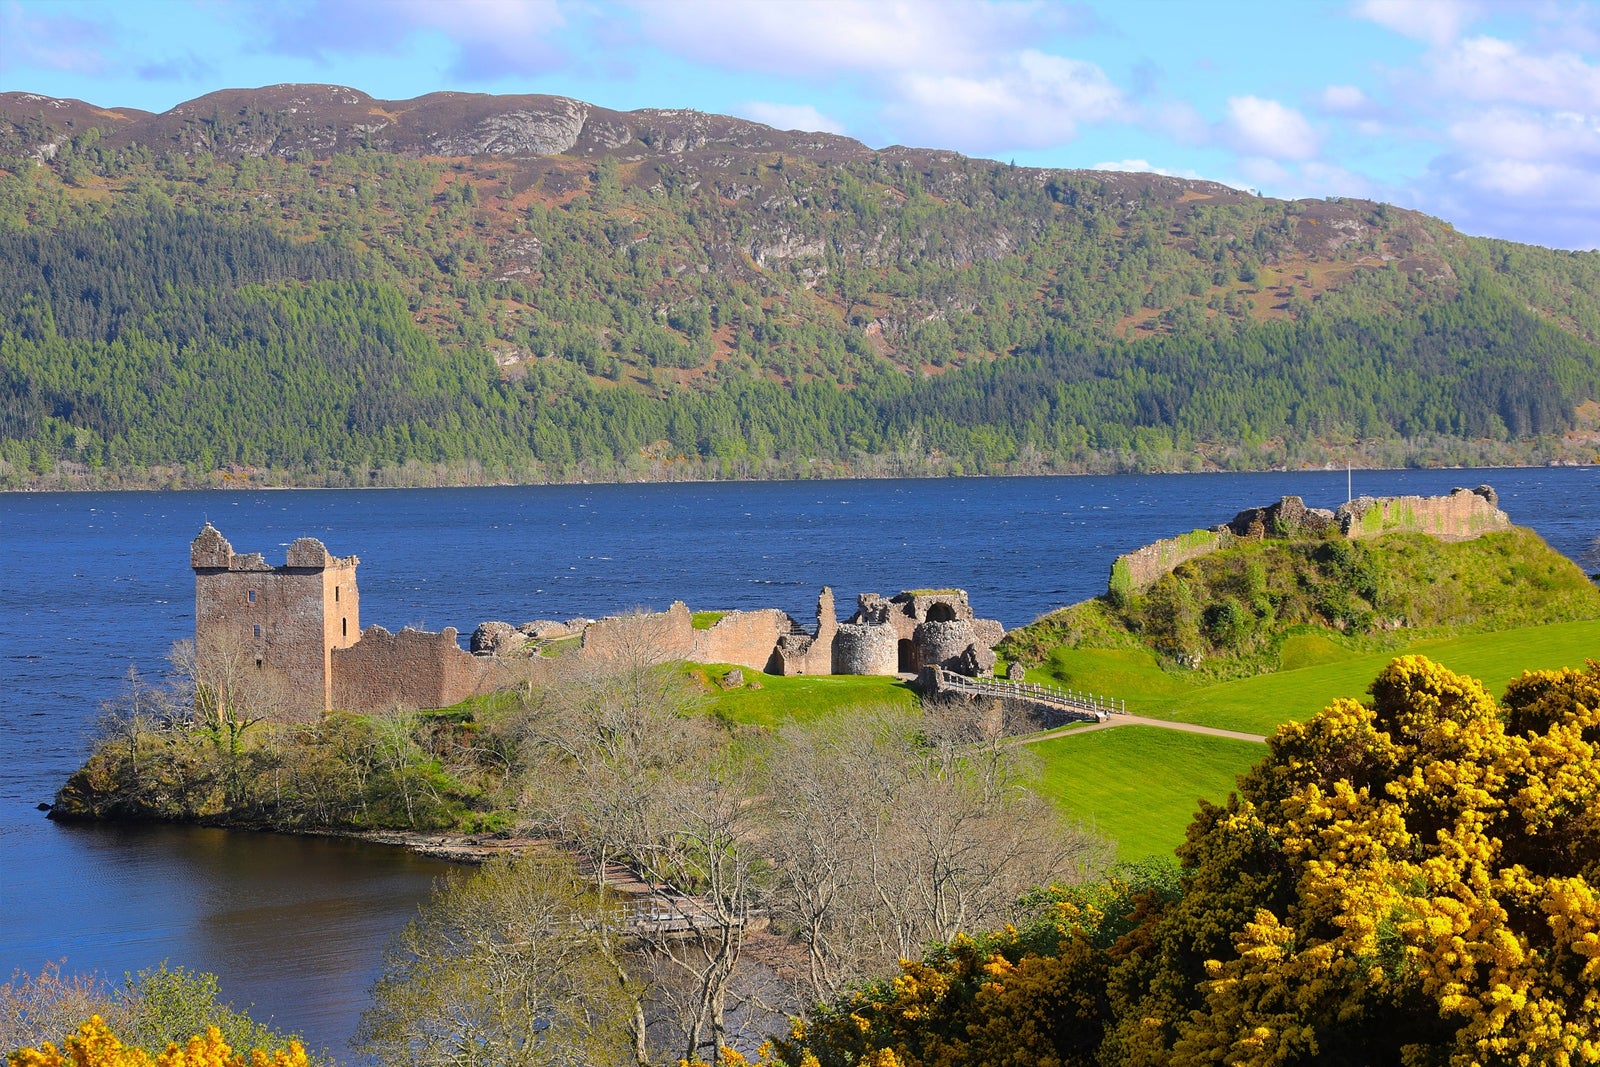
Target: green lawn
1259,704
798,699
1140,784
1321,671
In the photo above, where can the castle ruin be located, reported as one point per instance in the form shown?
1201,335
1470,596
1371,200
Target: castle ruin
288,641
1462,515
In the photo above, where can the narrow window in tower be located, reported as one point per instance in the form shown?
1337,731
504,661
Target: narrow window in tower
257,630
344,627
335,594
251,596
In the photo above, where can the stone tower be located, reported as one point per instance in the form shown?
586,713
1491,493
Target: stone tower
266,634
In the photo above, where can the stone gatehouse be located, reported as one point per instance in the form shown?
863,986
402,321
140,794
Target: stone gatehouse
288,640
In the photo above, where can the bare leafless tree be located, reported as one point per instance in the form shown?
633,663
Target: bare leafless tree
624,771
868,836
49,1006
890,831
227,694
507,964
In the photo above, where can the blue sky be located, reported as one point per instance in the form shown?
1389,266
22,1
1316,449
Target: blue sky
1484,112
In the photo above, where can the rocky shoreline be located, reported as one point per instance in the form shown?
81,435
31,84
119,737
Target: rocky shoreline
439,845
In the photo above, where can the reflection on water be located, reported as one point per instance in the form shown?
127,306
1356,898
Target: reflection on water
282,917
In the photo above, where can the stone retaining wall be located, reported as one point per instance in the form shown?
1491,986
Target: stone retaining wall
1138,570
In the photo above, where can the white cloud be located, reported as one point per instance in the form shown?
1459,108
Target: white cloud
1033,100
1144,166
817,38
1555,203
789,116
1328,179
1516,112
55,42
1436,21
1262,173
959,74
1266,128
1312,178
1525,136
1490,69
1346,100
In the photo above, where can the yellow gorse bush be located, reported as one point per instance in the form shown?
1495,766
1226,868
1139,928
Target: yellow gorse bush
94,1045
1414,879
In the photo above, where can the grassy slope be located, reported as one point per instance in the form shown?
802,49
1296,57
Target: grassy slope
797,699
1258,704
1140,784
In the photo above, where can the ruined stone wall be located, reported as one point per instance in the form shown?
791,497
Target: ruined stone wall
747,638
942,643
988,632
415,669
820,658
1139,569
267,632
1463,515
939,605
865,648
644,636
801,653
292,633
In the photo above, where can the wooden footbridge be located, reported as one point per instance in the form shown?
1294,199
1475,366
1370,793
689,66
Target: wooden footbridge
1074,704
655,908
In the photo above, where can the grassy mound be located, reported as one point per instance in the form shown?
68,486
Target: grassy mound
1271,605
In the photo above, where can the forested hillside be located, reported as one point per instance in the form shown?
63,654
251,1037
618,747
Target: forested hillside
303,284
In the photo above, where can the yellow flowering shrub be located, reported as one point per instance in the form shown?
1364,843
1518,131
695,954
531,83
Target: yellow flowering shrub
94,1045
1412,881
1439,856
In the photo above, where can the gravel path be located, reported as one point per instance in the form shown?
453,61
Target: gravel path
1140,720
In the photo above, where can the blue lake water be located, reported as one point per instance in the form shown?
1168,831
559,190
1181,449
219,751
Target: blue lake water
91,583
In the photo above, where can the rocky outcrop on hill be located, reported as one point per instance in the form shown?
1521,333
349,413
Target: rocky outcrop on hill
1288,517
495,638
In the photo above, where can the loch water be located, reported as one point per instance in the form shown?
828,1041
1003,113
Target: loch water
93,583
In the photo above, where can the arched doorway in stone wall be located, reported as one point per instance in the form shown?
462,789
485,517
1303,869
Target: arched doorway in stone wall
910,662
941,613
